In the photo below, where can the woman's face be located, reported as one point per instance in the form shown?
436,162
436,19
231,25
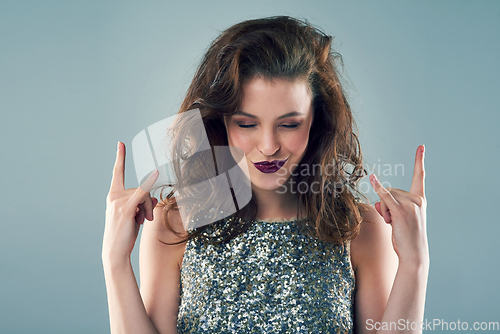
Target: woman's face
272,128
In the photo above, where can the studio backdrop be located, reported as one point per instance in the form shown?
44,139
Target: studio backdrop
76,77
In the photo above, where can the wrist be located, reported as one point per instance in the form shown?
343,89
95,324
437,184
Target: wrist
114,263
417,260
416,266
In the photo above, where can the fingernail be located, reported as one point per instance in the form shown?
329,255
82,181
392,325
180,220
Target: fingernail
423,149
153,174
118,146
374,178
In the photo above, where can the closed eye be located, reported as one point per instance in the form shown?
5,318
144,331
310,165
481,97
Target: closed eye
290,126
246,126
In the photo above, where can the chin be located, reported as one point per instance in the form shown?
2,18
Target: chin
269,183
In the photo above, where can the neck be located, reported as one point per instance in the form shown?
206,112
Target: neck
275,203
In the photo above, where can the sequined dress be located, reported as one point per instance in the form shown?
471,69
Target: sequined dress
273,278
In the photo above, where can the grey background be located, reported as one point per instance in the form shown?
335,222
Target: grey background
76,77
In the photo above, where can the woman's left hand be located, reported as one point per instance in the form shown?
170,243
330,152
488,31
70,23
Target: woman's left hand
406,212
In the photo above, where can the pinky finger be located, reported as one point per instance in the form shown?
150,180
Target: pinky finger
382,211
377,207
385,212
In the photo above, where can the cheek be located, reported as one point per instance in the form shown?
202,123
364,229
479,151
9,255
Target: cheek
238,139
297,142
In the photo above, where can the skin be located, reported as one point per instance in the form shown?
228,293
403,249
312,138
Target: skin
389,257
261,131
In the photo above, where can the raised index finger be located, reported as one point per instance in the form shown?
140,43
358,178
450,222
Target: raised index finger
118,181
418,181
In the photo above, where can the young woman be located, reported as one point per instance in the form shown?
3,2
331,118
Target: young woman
305,254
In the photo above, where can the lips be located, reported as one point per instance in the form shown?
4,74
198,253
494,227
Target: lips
269,166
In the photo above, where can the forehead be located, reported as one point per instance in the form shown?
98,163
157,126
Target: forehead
264,97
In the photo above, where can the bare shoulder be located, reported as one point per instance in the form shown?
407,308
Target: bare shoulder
156,236
375,264
374,238
172,234
158,225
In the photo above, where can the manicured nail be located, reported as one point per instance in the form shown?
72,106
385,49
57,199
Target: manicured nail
118,146
153,174
374,178
423,149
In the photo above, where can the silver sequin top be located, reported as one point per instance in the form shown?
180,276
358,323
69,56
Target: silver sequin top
273,278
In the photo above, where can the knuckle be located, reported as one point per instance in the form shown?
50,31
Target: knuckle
408,206
411,209
110,198
387,195
383,191
140,192
418,200
391,190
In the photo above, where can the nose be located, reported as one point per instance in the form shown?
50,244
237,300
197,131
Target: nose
269,143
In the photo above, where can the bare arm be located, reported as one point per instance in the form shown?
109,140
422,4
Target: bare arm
127,313
407,300
375,264
152,308
401,310
385,291
126,210
160,270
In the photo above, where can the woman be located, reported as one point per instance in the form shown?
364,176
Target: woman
292,259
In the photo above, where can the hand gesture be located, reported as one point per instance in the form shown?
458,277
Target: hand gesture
126,210
406,212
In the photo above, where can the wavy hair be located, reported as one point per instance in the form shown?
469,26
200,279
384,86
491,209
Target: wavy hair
283,47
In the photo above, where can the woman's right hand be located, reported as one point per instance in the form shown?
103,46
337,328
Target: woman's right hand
126,210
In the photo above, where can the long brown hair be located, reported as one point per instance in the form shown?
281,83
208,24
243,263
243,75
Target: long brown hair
286,48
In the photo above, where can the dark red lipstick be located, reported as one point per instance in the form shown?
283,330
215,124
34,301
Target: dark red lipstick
269,166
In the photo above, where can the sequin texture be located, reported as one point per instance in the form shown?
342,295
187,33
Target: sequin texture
273,278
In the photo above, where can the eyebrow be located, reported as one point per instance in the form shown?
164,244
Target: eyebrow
290,114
